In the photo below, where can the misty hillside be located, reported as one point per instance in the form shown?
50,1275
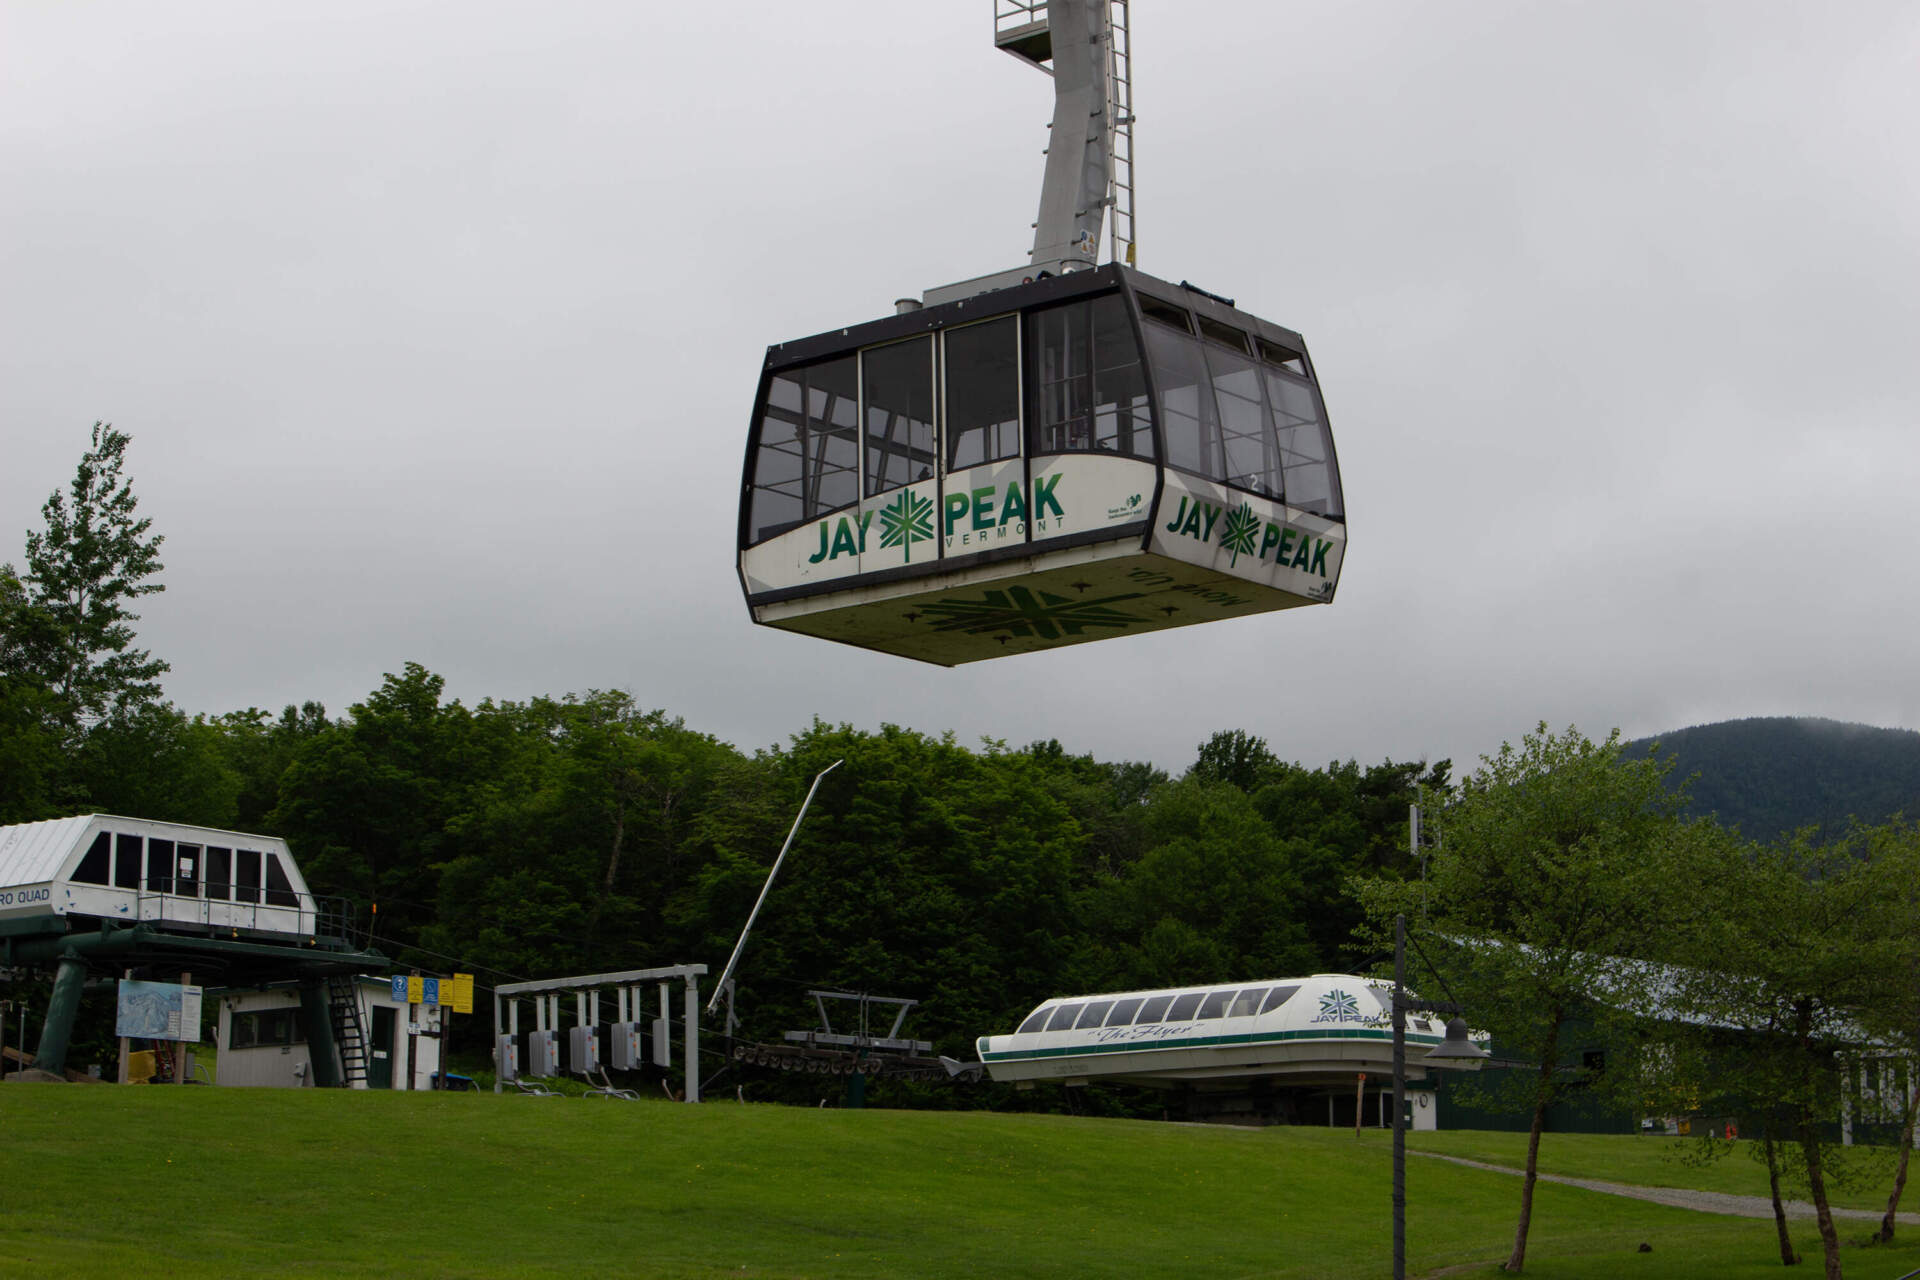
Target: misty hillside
1775,774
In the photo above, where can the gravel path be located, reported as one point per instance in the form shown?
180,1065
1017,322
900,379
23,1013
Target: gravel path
1703,1201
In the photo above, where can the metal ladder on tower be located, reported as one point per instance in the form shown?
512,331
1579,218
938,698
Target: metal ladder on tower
349,1032
1070,197
1120,122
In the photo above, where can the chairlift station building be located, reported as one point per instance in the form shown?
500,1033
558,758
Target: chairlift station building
101,893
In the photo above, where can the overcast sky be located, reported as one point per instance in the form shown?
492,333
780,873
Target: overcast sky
437,327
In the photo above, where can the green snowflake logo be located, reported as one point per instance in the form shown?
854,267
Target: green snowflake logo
1338,1006
1237,535
1024,612
905,521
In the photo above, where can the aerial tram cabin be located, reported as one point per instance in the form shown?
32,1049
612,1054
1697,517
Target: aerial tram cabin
1060,453
1093,454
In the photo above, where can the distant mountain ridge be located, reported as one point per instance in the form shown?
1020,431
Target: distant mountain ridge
1776,774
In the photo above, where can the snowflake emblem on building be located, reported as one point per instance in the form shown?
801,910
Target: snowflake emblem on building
1338,1006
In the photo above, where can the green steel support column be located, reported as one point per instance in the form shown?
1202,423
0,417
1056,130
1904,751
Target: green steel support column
62,1005
319,1014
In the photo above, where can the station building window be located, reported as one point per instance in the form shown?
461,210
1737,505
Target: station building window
218,872
898,385
159,866
981,378
1183,1007
126,861
1095,1013
1153,1010
1036,1021
95,865
266,1028
246,875
1064,1016
279,889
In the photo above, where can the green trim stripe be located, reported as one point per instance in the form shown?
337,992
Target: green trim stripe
1199,1042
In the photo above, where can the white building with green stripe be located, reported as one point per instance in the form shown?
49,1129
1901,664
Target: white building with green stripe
1309,1050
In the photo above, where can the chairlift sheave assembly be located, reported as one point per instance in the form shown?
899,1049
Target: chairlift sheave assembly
1063,452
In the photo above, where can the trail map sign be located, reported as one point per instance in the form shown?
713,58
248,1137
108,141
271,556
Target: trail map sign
158,1011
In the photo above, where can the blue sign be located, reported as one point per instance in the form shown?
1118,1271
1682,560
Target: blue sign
429,991
399,988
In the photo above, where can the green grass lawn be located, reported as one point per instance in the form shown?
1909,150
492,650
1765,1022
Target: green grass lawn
99,1181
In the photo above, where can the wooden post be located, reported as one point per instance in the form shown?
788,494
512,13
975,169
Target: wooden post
126,1045
1359,1103
180,1046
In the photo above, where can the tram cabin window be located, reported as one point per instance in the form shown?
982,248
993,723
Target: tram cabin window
1277,997
1306,450
807,462
96,864
279,889
1254,423
1181,1010
1036,1021
1165,312
126,861
246,875
898,382
159,866
218,871
1123,1011
1095,1014
1215,1005
1063,1017
1153,1010
1086,385
981,376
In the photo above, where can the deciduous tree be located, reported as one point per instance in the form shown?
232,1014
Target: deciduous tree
1556,860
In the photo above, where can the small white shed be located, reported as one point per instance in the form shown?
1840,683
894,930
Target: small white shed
262,1038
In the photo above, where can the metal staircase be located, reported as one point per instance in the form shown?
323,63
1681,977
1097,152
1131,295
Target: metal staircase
349,1032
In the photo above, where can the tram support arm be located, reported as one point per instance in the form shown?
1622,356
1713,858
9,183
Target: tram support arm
1079,173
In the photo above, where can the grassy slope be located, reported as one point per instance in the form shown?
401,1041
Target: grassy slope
210,1182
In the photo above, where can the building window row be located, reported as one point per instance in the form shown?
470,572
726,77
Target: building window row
185,869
